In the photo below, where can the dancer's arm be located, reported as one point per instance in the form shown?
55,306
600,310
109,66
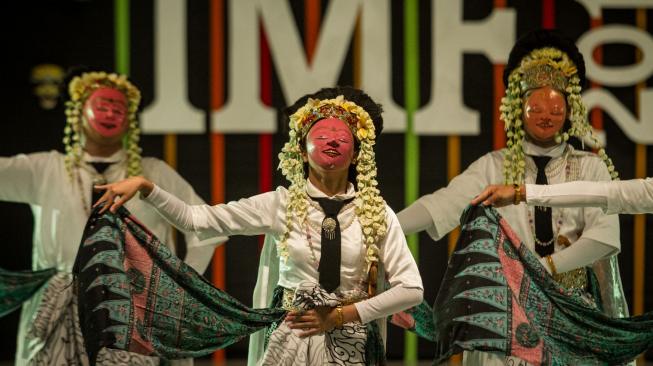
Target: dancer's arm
630,196
627,196
598,226
248,216
582,253
198,252
439,212
21,176
406,284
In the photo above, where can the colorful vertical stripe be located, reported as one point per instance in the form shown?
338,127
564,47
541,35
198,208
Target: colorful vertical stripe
121,33
639,227
498,89
217,140
411,154
548,14
265,153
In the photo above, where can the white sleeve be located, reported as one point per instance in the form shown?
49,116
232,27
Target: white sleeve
414,218
583,252
630,196
402,273
22,175
570,194
249,216
445,205
198,252
599,226
389,302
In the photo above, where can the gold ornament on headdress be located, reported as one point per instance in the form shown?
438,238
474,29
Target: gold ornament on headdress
370,206
542,67
80,88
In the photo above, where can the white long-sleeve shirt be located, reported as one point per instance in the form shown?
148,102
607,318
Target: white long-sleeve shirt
627,196
41,180
266,214
445,205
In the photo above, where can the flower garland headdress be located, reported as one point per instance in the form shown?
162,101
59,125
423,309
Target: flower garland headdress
79,89
370,206
543,66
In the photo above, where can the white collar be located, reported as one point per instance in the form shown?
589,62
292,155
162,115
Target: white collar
313,191
553,151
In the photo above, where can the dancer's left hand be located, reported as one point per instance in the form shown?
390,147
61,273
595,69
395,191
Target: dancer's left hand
312,322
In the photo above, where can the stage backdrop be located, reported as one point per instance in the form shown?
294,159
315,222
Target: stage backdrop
215,73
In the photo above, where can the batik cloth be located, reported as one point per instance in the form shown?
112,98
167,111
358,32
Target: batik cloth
352,344
497,297
135,295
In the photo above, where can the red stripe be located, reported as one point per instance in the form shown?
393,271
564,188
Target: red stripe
596,114
265,155
548,14
216,55
498,133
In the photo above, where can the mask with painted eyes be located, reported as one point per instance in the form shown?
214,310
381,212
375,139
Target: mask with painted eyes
545,112
329,145
105,112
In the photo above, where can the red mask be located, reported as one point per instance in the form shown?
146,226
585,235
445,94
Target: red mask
106,112
545,112
330,145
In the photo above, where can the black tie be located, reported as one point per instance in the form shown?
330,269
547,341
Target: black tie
100,167
329,267
543,226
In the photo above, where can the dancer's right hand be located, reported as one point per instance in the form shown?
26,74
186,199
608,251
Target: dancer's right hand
117,194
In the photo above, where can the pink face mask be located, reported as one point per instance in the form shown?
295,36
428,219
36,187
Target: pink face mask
330,145
106,112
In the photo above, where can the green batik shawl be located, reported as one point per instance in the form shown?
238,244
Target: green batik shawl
135,295
497,297
17,287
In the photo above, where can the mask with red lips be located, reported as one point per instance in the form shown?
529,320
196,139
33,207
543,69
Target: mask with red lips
105,111
545,112
330,145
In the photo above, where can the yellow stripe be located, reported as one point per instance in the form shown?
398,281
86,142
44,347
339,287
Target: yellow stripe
170,150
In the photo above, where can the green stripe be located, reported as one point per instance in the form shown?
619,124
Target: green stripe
121,18
411,94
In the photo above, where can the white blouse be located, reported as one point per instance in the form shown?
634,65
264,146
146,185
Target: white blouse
445,205
627,196
266,214
41,180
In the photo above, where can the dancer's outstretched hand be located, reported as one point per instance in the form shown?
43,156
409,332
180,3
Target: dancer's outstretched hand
499,195
117,194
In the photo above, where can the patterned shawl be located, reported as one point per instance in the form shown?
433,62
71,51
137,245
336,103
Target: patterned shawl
135,295
497,297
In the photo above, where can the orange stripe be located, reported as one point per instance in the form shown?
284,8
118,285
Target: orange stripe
453,169
170,157
311,26
216,54
639,227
